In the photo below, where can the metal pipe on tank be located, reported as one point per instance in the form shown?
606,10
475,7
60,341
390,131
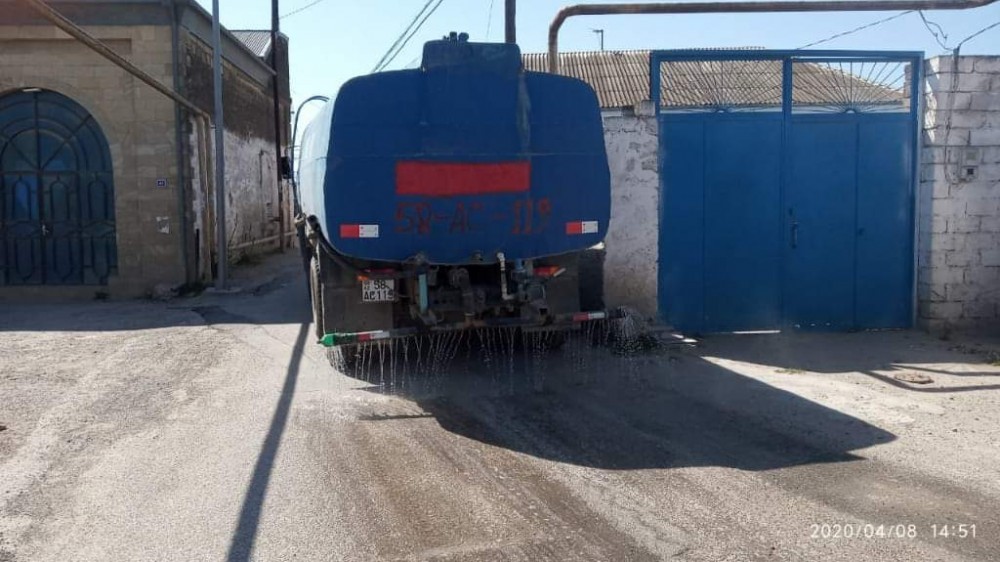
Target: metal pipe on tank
744,7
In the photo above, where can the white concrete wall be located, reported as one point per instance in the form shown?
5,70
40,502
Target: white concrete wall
630,268
958,280
251,191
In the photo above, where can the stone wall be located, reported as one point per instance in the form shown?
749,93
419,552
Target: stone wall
958,282
139,125
252,182
630,268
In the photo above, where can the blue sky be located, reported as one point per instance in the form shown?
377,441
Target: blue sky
335,40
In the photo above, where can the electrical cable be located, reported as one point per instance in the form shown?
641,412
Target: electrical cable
412,33
489,20
399,39
856,29
977,34
301,9
407,34
940,36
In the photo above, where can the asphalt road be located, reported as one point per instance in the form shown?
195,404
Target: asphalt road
215,429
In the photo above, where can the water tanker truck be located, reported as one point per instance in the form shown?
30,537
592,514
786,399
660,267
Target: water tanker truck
454,196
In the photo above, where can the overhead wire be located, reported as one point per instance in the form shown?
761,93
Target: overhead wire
940,36
404,38
977,34
856,29
489,20
302,8
402,35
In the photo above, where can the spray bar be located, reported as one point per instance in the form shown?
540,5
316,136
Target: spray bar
559,321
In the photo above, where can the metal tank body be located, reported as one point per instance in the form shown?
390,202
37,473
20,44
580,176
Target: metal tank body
459,161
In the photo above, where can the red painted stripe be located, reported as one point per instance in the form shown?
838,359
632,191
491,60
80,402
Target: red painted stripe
574,228
446,179
350,231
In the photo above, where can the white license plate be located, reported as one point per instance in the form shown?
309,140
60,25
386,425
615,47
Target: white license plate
378,290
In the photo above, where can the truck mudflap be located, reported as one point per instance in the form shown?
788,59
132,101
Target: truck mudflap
557,322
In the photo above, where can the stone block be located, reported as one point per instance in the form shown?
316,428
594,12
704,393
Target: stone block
929,293
948,207
940,136
941,276
933,155
963,225
978,241
990,155
939,225
983,276
959,292
952,101
986,101
985,136
934,173
968,119
990,224
982,206
973,82
988,64
941,310
945,243
989,175
958,259
979,309
990,258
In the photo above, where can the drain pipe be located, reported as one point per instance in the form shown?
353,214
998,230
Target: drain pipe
744,7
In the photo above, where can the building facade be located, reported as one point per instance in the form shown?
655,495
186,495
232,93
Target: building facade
105,182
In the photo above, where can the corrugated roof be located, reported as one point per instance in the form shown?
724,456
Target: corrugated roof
257,40
621,79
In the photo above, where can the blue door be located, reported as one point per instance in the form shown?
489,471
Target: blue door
57,215
787,189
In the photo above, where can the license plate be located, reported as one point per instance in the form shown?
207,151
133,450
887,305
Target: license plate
378,290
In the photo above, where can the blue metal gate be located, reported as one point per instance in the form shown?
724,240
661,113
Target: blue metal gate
787,188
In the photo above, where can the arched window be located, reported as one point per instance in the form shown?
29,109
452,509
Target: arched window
57,205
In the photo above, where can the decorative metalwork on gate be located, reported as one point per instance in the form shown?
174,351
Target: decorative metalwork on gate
850,85
806,81
721,85
57,216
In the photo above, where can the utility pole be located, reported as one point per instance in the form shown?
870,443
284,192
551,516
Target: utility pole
510,21
220,152
601,33
276,91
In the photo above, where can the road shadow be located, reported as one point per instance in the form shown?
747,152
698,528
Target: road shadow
241,545
280,299
605,411
879,355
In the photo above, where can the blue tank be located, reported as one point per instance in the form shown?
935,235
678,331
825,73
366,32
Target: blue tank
464,158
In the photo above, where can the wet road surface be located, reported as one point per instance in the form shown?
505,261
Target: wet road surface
215,429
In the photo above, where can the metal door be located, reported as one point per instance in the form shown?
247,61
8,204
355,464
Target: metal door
57,224
787,185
